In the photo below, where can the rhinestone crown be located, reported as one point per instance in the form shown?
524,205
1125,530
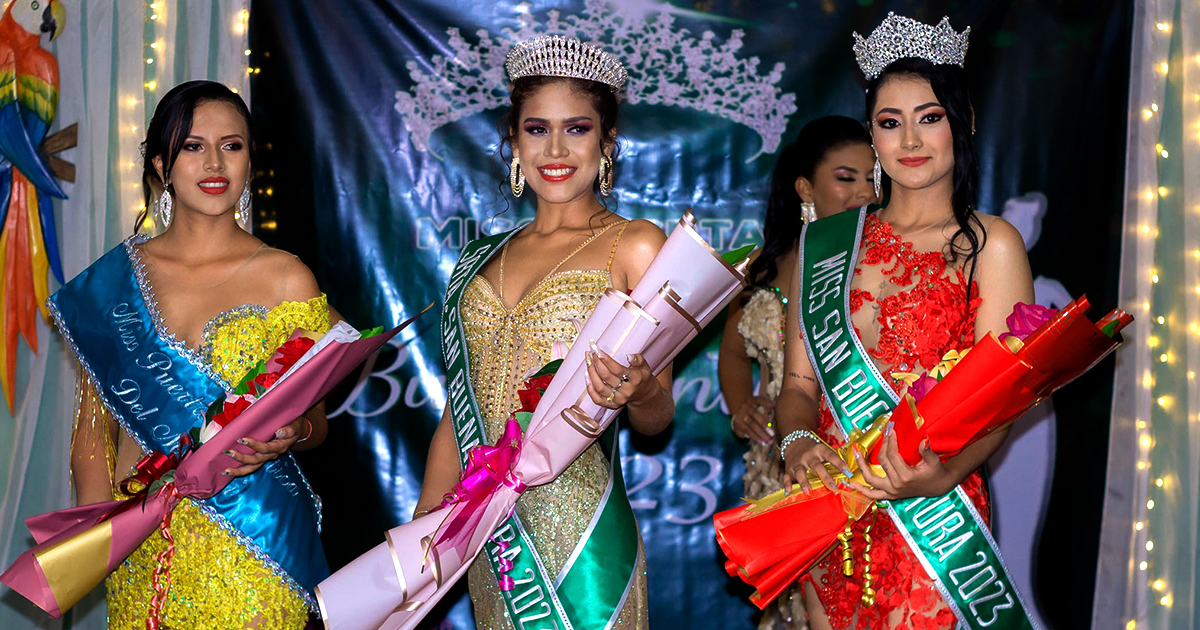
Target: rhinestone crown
558,56
898,37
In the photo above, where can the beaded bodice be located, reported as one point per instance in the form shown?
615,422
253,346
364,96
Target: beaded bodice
235,340
762,326
507,344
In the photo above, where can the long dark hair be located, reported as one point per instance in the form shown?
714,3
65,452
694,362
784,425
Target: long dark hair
602,97
950,88
169,129
781,222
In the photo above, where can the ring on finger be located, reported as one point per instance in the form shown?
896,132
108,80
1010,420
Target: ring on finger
625,377
610,397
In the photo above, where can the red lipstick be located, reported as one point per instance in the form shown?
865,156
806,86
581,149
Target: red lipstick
556,172
214,185
913,161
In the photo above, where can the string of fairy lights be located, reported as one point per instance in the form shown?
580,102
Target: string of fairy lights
135,115
1165,400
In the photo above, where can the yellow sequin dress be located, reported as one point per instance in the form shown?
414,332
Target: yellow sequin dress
216,583
504,346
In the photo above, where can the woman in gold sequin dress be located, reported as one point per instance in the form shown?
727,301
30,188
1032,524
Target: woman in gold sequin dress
825,171
204,300
533,294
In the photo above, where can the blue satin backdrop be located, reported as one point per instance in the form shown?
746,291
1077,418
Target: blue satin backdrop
379,201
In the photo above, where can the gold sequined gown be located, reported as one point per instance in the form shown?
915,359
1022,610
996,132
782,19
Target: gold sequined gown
504,346
761,327
216,582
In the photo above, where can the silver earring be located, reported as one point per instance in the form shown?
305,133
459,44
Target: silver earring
878,173
163,210
516,178
808,212
242,214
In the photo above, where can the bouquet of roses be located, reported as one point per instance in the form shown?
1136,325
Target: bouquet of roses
77,547
396,584
771,542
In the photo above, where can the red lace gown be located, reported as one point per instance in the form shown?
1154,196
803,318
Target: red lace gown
928,317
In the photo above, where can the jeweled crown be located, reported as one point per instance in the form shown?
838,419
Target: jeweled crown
899,37
558,56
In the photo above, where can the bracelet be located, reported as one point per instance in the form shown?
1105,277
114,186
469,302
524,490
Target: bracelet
796,435
310,430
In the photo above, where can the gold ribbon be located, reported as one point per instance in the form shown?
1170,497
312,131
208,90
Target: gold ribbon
854,503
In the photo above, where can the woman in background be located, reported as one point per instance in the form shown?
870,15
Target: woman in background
825,171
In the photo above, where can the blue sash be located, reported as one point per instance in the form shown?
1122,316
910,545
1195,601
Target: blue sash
158,389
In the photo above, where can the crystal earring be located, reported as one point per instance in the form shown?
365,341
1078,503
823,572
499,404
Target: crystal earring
516,178
163,210
606,175
878,173
242,214
808,212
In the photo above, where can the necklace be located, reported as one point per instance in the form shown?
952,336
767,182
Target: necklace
504,254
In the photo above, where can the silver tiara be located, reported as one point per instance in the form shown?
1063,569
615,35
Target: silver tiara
899,37
558,56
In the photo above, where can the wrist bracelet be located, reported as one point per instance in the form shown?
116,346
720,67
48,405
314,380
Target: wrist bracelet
796,435
310,430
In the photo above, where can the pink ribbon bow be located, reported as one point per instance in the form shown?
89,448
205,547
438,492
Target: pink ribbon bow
488,468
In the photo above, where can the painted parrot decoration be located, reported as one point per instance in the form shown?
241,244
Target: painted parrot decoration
28,177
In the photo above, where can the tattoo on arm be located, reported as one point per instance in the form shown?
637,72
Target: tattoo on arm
797,375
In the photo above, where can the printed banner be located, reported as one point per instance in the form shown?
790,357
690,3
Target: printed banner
376,134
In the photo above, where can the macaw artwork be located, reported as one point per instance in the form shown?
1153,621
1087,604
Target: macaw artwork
29,174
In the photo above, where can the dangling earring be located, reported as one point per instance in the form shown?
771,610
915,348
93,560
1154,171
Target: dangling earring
606,175
808,212
163,210
878,173
516,178
242,214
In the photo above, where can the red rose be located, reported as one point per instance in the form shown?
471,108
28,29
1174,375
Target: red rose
529,399
540,383
531,392
291,351
263,382
233,408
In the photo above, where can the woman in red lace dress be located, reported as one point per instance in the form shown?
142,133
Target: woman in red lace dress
933,275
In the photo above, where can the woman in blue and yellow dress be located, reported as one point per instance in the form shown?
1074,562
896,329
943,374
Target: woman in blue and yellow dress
209,300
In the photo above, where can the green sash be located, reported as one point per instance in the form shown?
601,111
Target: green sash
599,574
945,533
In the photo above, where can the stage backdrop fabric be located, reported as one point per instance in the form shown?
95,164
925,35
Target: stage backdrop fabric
378,161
